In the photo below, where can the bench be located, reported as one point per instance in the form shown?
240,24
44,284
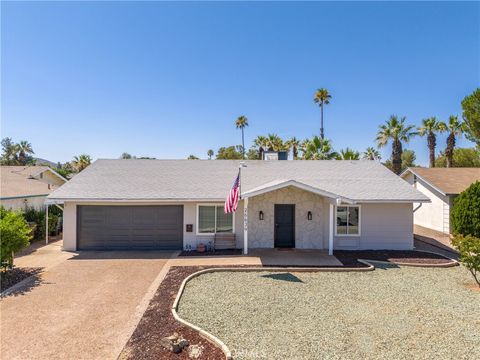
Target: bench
224,241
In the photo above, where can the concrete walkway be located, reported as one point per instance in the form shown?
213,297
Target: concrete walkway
264,257
83,306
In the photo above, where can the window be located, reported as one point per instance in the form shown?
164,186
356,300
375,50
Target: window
212,219
348,220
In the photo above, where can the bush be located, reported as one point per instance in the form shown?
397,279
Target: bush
15,234
465,214
38,217
469,248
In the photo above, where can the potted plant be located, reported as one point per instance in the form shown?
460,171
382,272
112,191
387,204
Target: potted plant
201,247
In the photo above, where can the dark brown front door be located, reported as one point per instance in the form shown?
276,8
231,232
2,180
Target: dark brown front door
284,225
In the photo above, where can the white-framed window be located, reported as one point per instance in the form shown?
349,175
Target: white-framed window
347,220
211,219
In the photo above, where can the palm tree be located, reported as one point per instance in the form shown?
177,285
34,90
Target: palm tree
240,123
318,149
348,154
24,148
454,128
275,143
430,127
293,143
81,162
210,154
396,131
371,154
322,97
261,143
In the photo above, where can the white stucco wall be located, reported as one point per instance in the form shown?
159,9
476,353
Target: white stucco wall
383,226
36,202
434,215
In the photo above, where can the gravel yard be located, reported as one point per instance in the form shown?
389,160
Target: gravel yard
392,312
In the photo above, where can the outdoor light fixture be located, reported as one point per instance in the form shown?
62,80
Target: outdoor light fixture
260,215
309,215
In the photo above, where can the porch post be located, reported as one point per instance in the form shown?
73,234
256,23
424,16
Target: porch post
245,226
46,224
330,231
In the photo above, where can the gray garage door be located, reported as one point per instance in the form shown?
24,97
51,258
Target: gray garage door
130,227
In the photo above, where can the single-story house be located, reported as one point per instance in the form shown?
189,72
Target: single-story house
175,204
441,186
27,186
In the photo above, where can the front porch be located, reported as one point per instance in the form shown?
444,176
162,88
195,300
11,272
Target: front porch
295,257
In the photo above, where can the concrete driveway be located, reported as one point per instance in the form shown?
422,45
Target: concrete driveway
84,305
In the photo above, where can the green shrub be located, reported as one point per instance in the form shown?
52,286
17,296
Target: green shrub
465,214
469,248
15,234
38,217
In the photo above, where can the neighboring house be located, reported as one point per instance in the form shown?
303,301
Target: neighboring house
441,186
27,186
175,204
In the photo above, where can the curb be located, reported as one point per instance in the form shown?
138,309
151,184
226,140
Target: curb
212,338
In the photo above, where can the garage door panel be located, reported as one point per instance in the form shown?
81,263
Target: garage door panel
130,227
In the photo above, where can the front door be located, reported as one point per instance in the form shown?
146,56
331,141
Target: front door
284,226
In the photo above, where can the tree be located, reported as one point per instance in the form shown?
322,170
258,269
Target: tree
348,154
230,153
322,97
126,155
318,149
241,123
430,127
275,143
81,162
408,160
465,213
192,157
15,236
24,149
371,154
253,154
293,143
469,249
9,153
260,143
210,153
462,157
396,131
454,128
471,116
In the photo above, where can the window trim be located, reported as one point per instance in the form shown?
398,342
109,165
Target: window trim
359,221
197,230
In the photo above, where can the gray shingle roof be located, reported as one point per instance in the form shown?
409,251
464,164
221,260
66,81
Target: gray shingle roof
211,179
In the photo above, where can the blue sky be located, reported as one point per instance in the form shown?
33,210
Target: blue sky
168,79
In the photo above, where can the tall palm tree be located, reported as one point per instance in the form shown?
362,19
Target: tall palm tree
240,123
396,131
318,149
81,162
371,154
430,127
24,148
454,128
348,154
322,97
293,143
260,143
210,154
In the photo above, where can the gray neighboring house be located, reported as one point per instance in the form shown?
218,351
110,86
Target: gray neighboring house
175,204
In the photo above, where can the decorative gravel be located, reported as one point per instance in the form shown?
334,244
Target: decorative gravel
392,312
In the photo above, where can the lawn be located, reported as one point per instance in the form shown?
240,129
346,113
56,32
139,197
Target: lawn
392,312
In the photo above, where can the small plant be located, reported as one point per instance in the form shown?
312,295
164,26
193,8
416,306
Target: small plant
15,233
469,248
465,216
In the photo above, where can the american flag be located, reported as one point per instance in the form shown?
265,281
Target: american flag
233,197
